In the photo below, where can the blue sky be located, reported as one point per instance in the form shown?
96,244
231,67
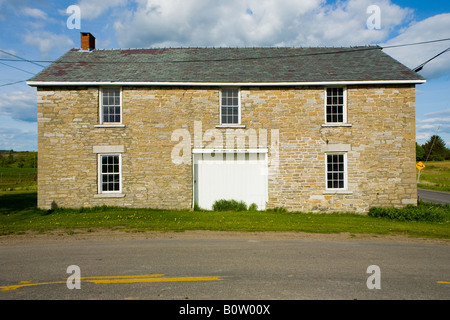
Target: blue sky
37,30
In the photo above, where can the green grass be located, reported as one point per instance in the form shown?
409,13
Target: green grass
18,214
435,176
17,179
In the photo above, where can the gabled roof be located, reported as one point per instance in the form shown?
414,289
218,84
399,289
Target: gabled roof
284,66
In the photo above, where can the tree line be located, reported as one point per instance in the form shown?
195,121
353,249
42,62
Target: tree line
432,150
14,159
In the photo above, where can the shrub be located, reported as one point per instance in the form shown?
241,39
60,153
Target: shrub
253,207
422,212
229,205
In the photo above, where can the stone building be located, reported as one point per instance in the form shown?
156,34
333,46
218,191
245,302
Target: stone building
307,129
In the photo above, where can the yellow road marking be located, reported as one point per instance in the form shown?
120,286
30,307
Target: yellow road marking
115,279
155,280
445,282
123,277
27,284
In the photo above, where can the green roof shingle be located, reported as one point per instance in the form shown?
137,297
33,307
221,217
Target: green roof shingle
227,65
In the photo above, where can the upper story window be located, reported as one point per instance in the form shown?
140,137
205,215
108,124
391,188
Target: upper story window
230,112
111,106
335,106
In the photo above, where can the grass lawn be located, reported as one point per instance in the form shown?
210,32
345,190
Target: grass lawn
18,214
435,176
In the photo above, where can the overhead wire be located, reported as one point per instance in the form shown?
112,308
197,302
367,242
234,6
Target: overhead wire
11,83
21,59
375,47
346,50
5,64
420,66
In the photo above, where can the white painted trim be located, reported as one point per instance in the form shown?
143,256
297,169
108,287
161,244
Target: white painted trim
230,126
224,125
100,105
219,84
336,124
344,111
337,190
99,179
109,126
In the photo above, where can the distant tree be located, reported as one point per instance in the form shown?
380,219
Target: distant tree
420,153
10,158
435,149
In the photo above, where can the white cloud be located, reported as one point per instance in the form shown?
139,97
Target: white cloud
47,42
437,122
19,105
162,23
91,9
18,139
439,114
34,13
433,28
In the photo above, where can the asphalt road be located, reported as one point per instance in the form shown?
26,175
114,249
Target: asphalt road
433,196
225,269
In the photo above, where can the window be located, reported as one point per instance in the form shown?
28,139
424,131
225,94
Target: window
229,106
111,105
110,173
336,171
335,106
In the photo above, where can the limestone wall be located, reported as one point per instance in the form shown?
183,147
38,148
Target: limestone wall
378,140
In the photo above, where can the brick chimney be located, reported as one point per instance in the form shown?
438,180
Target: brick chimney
87,41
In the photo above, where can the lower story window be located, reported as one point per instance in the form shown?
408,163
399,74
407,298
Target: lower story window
110,173
336,171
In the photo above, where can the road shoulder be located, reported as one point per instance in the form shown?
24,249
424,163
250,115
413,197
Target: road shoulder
122,235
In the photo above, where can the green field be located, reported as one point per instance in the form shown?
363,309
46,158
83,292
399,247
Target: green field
17,179
435,176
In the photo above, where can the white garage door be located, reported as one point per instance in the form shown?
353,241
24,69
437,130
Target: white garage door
241,180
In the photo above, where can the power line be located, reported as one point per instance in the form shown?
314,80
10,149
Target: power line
420,67
11,83
375,47
23,59
415,43
5,64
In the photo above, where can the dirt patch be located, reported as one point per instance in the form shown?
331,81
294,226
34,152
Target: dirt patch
122,235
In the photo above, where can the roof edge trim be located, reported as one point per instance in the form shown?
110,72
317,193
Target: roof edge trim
224,84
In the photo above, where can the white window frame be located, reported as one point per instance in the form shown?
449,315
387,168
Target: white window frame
238,124
345,188
344,107
99,161
101,106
